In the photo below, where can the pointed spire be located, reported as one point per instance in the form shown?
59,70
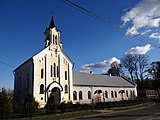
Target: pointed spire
52,25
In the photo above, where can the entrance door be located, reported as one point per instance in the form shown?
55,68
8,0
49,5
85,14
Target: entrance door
56,95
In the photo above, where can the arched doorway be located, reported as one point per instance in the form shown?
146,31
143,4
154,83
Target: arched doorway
121,92
56,95
98,96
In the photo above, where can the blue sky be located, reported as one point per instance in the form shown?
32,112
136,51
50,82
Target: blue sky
91,44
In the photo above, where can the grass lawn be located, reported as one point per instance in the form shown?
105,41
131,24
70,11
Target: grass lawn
81,113
132,107
62,115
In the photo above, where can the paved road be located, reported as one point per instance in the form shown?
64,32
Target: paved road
148,113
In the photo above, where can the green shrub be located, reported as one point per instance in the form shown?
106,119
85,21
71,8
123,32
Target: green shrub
30,106
5,105
51,106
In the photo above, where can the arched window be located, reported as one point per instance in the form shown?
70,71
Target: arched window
89,94
65,75
126,93
115,94
74,95
54,69
131,94
106,94
41,89
19,84
112,96
57,71
27,81
56,39
80,95
53,39
51,71
42,73
66,88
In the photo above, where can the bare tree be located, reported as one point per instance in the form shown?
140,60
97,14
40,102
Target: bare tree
128,65
136,65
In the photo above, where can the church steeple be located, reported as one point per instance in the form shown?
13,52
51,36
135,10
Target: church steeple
52,35
52,25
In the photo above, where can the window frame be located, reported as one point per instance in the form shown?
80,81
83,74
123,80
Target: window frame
89,94
66,88
80,95
106,94
115,94
51,71
41,90
65,74
126,93
112,94
42,73
74,95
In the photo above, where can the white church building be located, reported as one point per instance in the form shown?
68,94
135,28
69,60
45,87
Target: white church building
50,72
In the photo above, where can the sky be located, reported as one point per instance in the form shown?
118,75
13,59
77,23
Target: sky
91,44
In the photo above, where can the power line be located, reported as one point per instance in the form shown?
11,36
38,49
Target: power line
104,20
9,65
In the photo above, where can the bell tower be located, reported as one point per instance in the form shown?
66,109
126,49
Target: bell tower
52,34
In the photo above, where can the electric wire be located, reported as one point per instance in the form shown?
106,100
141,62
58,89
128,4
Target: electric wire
9,65
104,20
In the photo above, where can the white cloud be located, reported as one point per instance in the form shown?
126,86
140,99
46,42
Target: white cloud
155,36
146,14
139,49
146,31
99,65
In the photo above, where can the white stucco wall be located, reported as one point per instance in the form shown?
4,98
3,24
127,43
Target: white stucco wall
85,90
23,84
46,54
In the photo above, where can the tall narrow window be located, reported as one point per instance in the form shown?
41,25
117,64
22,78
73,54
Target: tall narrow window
80,95
66,88
51,71
65,75
53,39
57,71
20,84
56,39
131,94
126,93
41,89
54,69
27,80
106,94
42,73
112,96
74,95
89,94
115,94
